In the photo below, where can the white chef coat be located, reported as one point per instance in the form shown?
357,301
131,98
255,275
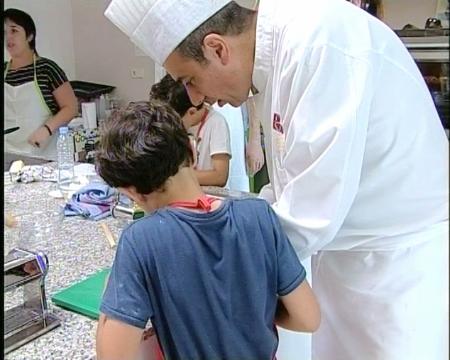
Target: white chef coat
357,160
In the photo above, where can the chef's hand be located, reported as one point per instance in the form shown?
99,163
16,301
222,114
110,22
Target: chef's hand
254,157
39,138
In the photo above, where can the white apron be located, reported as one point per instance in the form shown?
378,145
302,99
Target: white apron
368,297
25,107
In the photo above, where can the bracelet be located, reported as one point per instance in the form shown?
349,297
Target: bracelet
48,128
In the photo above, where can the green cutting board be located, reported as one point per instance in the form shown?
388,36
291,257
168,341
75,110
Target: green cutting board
85,296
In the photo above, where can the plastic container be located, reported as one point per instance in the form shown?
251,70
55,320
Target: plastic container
66,162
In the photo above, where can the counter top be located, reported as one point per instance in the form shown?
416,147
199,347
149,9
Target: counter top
76,248
8,158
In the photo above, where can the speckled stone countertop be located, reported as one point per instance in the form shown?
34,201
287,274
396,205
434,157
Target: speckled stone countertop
76,248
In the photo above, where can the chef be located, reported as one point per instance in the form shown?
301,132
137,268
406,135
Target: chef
357,157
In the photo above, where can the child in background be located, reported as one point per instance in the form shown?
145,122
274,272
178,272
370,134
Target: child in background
208,128
213,276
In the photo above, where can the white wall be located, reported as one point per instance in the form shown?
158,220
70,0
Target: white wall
54,30
105,55
87,46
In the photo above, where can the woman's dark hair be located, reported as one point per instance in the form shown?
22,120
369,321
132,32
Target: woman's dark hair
142,146
24,20
172,92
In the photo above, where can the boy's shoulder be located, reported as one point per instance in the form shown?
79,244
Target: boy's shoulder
160,219
249,200
251,203
151,220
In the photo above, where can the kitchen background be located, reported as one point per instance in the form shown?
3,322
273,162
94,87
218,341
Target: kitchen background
76,35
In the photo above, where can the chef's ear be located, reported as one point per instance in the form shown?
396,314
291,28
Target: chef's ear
30,37
215,47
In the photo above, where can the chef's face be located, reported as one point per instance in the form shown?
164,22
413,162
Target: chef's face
221,78
16,40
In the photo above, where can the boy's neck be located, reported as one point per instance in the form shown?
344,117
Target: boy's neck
183,186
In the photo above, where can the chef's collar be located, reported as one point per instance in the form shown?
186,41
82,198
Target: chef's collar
253,91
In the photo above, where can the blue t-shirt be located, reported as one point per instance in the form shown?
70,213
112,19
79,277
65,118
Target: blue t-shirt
207,281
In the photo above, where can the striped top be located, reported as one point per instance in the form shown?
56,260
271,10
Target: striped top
49,77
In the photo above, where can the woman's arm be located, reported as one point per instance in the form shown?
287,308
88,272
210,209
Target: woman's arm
68,109
68,106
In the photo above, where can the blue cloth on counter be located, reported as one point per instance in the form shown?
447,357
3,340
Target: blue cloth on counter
93,201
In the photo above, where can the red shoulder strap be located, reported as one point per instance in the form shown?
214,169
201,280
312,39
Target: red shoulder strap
203,202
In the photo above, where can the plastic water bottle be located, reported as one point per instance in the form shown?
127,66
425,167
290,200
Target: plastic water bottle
65,161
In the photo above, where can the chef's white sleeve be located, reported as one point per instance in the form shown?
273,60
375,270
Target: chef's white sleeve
267,193
324,109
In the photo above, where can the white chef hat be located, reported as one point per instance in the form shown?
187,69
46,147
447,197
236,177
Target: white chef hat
157,27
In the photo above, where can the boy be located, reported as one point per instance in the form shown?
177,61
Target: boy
213,276
207,127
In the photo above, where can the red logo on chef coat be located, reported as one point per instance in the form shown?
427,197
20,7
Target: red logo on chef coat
276,123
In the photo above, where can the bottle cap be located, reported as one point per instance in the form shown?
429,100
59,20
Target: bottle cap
63,130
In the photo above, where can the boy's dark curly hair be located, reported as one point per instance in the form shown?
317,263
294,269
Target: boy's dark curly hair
173,93
142,146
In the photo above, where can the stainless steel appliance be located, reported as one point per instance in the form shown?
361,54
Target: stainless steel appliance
26,315
123,207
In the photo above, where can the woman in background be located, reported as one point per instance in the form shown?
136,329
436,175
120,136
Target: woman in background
38,97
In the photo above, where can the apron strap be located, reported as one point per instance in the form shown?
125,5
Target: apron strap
203,202
36,84
202,123
38,89
197,135
6,70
